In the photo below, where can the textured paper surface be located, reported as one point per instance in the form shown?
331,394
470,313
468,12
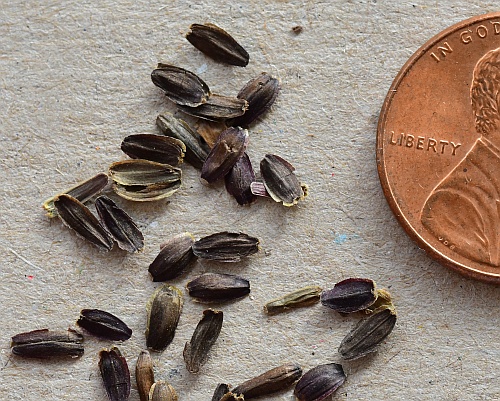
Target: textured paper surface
75,81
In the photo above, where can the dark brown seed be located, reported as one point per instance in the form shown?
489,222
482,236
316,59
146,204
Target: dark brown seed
297,299
204,337
280,181
216,287
156,148
82,191
164,311
47,344
162,391
120,225
260,93
226,246
104,324
220,391
320,382
368,333
217,44
181,86
79,218
175,255
144,375
144,180
217,108
115,374
350,295
297,29
196,148
229,147
273,380
239,179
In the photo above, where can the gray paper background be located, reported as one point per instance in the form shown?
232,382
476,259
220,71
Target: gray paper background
75,80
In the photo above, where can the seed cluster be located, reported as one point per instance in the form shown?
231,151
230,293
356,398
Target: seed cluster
153,173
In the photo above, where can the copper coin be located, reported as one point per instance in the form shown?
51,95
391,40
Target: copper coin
438,147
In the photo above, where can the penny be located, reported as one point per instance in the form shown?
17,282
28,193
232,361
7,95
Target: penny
438,147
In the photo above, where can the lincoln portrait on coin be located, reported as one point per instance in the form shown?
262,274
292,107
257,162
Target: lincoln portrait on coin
463,211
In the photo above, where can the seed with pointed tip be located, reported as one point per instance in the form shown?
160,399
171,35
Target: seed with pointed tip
226,151
297,299
115,374
164,311
217,287
320,382
226,246
217,44
204,337
217,108
156,148
144,375
120,225
350,295
79,218
239,179
46,343
276,379
104,324
181,86
368,333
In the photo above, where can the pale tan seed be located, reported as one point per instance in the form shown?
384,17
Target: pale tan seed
302,297
144,374
162,391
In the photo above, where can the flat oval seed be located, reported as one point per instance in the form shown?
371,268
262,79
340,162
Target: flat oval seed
47,344
368,333
79,218
120,225
226,151
157,148
216,287
204,337
280,181
277,379
115,374
104,324
196,148
217,44
239,180
320,382
226,246
218,108
144,375
175,255
164,311
162,391
260,93
350,295
181,86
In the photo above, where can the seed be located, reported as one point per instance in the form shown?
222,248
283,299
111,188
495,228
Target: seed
164,311
227,149
259,189
273,380
210,131
320,382
196,148
120,225
280,181
175,255
104,324
143,180
216,287
82,191
297,29
204,337
79,218
297,299
144,375
46,344
226,246
220,391
368,333
239,179
162,391
260,93
115,374
181,86
218,108
217,44
156,148
350,295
